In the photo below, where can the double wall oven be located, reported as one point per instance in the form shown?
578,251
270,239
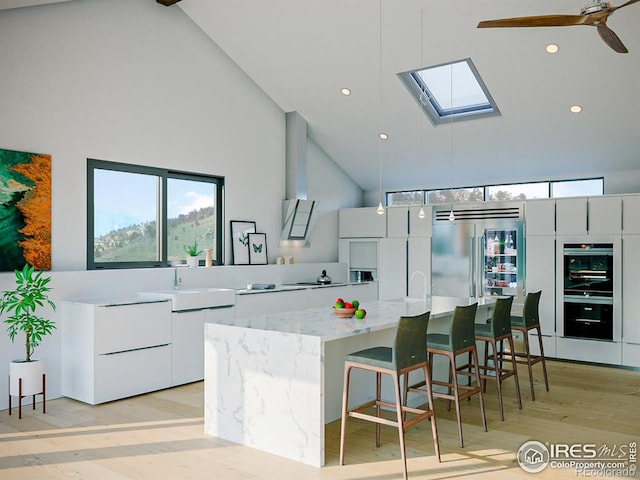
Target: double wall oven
588,290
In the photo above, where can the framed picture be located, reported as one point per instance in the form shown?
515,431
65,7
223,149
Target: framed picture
258,248
240,230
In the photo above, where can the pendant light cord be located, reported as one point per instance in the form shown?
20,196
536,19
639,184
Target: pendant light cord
380,140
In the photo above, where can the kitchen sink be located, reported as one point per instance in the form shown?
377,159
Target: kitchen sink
196,298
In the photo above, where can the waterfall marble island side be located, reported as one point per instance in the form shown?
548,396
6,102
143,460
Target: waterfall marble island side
273,381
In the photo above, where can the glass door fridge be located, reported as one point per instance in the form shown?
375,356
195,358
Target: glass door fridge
503,261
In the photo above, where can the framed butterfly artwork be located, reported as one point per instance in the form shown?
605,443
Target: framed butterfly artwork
257,248
240,230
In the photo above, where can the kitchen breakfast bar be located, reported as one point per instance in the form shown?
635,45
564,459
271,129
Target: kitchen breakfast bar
273,381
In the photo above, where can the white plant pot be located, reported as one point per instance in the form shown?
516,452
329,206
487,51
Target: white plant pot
192,261
31,375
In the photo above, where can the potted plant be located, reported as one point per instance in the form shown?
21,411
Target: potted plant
192,252
22,304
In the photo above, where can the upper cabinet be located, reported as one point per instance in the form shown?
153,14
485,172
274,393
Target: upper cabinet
403,222
571,216
362,223
593,215
605,215
540,217
631,214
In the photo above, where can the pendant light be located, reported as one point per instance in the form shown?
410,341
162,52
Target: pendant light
381,136
452,217
421,213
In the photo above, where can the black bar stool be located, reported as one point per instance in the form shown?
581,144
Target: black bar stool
461,339
530,320
498,330
406,355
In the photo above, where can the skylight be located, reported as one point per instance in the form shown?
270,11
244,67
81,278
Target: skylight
450,92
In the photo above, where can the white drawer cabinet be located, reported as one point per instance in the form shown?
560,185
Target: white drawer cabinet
187,342
252,304
115,351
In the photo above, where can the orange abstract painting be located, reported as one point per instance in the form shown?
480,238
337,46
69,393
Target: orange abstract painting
25,210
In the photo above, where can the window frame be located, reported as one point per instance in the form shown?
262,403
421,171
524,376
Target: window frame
485,188
428,102
161,235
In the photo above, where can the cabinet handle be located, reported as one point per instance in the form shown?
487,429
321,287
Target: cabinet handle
136,349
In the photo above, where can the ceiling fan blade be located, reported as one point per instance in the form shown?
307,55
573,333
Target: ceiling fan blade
624,5
538,21
611,39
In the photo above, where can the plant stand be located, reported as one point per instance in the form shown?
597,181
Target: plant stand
21,396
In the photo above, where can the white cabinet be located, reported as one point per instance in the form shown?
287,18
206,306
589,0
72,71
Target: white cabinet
405,222
630,300
631,214
571,216
187,333
187,342
404,268
361,223
361,257
605,215
419,267
540,217
595,216
326,296
251,304
540,268
392,268
115,351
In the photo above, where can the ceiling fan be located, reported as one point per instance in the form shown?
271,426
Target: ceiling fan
595,14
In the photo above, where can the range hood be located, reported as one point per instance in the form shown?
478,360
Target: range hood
299,215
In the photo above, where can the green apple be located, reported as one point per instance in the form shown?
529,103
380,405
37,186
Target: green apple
360,314
339,305
355,303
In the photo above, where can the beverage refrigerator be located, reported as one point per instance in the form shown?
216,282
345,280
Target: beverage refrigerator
478,254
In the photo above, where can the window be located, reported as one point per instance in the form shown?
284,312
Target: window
450,92
144,216
577,188
415,197
518,191
454,195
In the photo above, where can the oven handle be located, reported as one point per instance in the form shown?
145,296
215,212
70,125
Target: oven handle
588,320
588,300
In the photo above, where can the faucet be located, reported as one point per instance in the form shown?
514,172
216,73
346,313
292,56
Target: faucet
424,282
176,280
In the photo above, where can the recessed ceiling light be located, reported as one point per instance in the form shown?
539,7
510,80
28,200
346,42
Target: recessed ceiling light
552,48
383,136
575,109
346,92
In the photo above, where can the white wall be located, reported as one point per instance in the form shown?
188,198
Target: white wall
627,181
135,82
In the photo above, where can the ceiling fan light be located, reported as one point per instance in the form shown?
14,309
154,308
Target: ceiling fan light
552,48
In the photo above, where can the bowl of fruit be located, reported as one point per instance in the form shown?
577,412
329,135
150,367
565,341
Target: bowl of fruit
348,309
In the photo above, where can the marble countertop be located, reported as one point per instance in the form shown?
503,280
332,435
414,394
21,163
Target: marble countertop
323,323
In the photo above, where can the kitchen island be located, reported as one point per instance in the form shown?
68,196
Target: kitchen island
273,381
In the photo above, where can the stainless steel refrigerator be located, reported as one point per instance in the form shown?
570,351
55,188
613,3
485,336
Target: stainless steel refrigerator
479,253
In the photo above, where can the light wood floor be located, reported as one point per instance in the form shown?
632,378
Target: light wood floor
160,435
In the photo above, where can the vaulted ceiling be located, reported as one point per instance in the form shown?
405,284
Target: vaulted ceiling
303,52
